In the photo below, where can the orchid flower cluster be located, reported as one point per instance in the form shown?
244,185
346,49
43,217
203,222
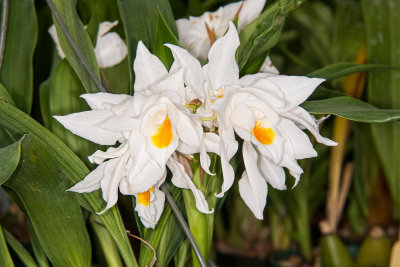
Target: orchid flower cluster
191,109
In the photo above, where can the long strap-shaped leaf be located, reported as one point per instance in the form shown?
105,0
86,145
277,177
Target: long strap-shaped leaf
20,123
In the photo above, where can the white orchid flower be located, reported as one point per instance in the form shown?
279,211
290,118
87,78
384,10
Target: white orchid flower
106,108
165,125
110,48
263,110
208,83
197,34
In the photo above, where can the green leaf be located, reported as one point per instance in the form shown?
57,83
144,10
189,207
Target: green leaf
55,214
19,249
65,89
164,35
5,258
70,17
341,69
38,251
107,244
5,95
16,69
140,22
9,158
383,42
20,123
263,33
351,109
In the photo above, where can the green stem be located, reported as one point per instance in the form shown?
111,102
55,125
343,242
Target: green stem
199,226
4,20
196,251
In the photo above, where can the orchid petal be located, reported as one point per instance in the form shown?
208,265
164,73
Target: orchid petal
53,34
87,125
113,174
110,50
249,11
252,186
104,100
303,118
105,27
91,182
299,141
222,68
148,68
273,174
182,180
296,88
193,73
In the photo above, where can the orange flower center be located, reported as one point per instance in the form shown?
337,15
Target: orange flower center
164,134
144,198
266,136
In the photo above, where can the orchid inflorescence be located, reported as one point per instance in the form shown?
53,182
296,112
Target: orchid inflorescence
191,109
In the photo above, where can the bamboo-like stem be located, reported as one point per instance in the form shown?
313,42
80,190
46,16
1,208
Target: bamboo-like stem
75,47
4,21
183,224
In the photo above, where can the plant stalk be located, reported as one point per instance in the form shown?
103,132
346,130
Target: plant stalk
184,226
4,20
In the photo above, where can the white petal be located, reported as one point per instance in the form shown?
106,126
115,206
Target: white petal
222,68
274,151
193,36
113,173
104,100
296,88
53,34
252,186
172,86
182,180
105,27
299,141
228,149
87,124
112,152
243,119
148,68
110,50
193,74
249,11
268,67
273,174
303,118
143,171
91,181
149,215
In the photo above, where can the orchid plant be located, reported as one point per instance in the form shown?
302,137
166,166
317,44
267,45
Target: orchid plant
205,110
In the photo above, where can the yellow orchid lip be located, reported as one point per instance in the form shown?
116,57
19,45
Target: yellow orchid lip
164,134
144,198
264,135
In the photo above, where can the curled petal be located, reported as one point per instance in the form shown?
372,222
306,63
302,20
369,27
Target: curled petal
104,100
91,182
110,50
182,180
303,118
252,186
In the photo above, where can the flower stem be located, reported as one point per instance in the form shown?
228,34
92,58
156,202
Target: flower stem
75,47
4,19
184,226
